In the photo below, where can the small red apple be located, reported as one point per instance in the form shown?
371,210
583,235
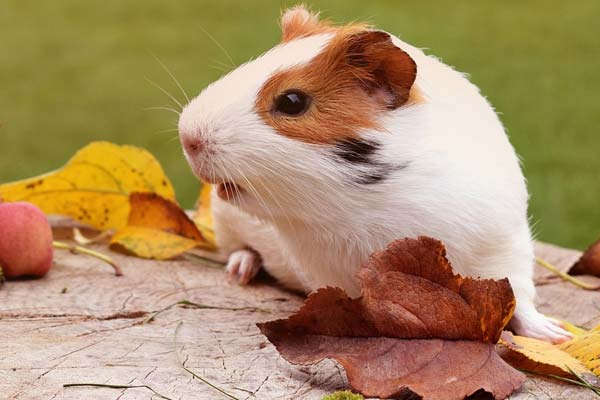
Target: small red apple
25,240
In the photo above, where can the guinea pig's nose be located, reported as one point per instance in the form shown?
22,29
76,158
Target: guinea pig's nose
192,144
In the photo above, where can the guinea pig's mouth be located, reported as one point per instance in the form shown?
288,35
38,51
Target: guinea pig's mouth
226,190
229,190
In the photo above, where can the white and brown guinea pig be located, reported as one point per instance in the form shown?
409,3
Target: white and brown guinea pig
341,139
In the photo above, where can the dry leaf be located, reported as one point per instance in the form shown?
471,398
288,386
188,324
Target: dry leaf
343,395
203,218
151,243
94,186
153,211
539,356
589,263
157,228
572,328
416,328
585,348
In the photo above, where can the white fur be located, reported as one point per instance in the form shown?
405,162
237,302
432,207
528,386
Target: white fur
313,226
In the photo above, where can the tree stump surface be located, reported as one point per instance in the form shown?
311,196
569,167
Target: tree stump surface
81,324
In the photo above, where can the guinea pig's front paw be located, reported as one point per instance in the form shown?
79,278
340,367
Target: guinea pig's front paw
536,325
243,265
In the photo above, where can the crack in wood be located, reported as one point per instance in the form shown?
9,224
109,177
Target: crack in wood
117,315
78,350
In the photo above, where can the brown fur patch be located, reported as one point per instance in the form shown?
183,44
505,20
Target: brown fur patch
300,22
357,77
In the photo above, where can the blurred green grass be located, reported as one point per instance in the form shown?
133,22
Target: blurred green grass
75,71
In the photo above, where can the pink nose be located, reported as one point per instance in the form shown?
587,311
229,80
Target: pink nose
192,145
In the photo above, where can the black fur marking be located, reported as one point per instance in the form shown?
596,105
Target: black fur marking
369,178
356,151
378,173
364,169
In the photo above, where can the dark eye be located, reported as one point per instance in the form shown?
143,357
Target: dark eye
292,102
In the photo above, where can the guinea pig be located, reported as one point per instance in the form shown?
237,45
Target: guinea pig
341,139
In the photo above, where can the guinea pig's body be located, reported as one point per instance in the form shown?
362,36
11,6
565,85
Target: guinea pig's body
392,143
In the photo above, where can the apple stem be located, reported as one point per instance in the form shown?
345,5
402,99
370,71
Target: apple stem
564,275
82,250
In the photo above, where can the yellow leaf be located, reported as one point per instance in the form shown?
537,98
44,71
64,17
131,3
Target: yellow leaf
586,348
152,243
94,186
574,329
203,217
539,356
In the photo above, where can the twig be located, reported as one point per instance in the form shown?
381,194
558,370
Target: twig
564,275
162,396
82,250
192,372
205,260
203,306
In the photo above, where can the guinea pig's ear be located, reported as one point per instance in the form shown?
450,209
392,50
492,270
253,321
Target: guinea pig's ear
297,22
385,71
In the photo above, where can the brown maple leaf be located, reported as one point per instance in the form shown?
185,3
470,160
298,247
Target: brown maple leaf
589,263
416,329
153,211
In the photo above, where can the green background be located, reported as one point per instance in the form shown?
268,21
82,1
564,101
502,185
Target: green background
75,71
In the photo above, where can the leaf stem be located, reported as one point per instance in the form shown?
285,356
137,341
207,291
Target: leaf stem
82,240
82,250
564,275
203,306
205,260
192,372
104,385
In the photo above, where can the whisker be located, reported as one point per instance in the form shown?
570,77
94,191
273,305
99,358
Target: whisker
214,179
162,108
172,77
222,64
165,92
258,196
236,190
202,163
271,195
290,185
227,178
218,45
220,167
167,130
215,67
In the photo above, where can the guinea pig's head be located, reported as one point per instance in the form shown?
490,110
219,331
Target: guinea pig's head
290,132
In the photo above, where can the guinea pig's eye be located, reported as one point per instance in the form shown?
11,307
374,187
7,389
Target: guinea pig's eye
292,102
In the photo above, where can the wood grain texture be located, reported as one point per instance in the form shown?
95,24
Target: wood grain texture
95,333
